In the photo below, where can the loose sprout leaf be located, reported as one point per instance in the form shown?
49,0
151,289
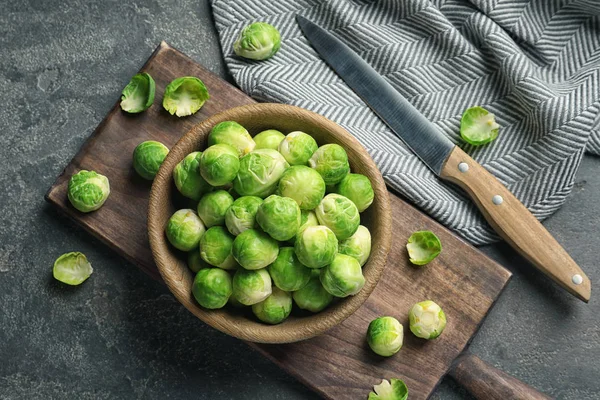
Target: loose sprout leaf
423,247
478,126
72,268
138,95
395,389
184,96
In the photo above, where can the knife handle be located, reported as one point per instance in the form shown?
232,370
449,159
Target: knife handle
513,221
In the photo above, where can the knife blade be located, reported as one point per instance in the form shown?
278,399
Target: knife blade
505,213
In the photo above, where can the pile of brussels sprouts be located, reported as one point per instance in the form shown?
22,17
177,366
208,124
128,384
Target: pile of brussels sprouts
277,222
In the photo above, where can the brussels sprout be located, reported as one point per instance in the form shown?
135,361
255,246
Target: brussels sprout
331,161
195,262
88,190
257,41
343,277
287,271
396,390
233,134
268,139
316,246
357,188
298,147
219,164
339,214
212,288
259,173
427,320
478,126
423,247
187,177
279,217
184,229
138,95
254,249
213,206
148,156
251,287
184,96
72,268
385,336
275,308
242,214
304,185
313,296
357,245
215,248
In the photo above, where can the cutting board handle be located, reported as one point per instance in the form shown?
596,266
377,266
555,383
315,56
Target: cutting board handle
488,383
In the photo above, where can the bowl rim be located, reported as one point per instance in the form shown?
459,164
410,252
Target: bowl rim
256,331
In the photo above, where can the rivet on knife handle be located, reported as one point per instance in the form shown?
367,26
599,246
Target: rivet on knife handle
513,221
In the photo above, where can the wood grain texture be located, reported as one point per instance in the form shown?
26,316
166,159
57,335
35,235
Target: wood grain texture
337,364
513,221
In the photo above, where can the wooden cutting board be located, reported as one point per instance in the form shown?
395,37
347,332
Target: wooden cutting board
338,364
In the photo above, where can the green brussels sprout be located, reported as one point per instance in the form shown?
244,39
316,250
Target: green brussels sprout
357,245
275,308
254,249
215,248
184,96
427,320
251,287
304,185
138,95
184,229
233,134
148,156
279,217
219,164
312,296
343,277
478,126
212,288
257,41
316,246
259,173
287,271
423,247
72,268
187,177
331,161
357,188
268,139
396,390
242,214
339,214
195,262
213,206
297,148
385,336
88,190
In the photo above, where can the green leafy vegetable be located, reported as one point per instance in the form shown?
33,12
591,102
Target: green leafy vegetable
88,190
257,41
138,95
385,336
184,96
423,247
394,389
478,126
72,268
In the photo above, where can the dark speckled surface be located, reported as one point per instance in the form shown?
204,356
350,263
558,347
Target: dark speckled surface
122,335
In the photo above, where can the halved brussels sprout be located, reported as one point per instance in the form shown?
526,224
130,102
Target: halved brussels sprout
233,134
268,139
257,41
138,95
259,173
304,185
339,214
242,214
72,268
312,296
187,177
184,229
219,164
316,246
254,249
343,277
212,288
195,262
478,126
251,287
148,156
423,247
287,271
396,390
357,188
184,96
215,248
297,147
331,161
385,336
275,308
88,190
213,206
279,217
427,320
357,245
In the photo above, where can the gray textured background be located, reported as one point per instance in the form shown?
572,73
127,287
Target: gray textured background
122,335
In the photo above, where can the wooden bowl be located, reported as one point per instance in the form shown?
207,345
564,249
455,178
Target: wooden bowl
172,264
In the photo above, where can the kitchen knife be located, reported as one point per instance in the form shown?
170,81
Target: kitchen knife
505,213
